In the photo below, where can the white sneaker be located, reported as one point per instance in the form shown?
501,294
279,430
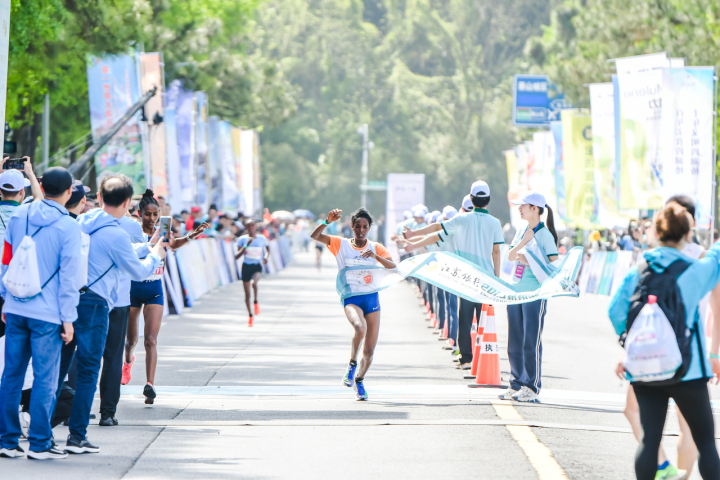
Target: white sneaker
528,396
24,423
12,452
509,394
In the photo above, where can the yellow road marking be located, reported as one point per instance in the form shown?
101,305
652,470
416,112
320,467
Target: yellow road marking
541,458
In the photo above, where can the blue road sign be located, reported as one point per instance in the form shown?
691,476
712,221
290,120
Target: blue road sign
536,101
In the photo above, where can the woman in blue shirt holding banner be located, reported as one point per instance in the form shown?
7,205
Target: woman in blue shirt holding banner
526,320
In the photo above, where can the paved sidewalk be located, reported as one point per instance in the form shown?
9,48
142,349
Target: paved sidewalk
267,402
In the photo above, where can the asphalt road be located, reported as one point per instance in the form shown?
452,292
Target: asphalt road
267,402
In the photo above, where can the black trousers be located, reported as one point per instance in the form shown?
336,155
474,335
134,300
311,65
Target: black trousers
113,361
465,318
693,400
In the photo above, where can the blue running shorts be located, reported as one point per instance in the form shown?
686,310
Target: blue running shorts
368,303
146,293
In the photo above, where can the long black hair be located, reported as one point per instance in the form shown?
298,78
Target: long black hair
550,222
148,198
361,213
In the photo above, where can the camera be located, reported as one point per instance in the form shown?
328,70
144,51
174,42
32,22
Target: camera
14,164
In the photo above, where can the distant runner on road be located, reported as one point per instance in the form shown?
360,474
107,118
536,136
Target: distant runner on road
361,310
257,251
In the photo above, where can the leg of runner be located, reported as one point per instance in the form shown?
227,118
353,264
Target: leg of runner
687,450
632,413
246,287
130,343
256,278
355,316
372,320
153,320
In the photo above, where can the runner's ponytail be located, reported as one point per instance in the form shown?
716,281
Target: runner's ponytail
551,224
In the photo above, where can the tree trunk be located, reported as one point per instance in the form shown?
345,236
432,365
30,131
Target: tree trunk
26,138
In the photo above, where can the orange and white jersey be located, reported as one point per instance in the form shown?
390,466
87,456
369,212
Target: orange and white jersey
348,255
358,275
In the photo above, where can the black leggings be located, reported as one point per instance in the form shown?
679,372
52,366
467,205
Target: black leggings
693,400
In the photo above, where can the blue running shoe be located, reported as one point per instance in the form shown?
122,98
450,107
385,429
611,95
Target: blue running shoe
361,392
349,378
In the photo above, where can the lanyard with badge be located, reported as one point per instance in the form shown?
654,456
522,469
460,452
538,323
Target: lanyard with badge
520,268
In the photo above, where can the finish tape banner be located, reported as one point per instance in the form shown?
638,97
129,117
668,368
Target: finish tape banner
456,275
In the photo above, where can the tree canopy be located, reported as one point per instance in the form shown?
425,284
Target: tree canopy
430,78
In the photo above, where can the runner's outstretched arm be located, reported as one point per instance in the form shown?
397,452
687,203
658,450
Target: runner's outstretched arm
428,240
317,234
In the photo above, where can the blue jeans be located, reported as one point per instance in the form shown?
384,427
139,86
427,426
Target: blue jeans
525,326
90,334
451,300
26,337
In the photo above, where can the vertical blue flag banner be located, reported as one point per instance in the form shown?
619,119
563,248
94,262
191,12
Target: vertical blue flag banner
173,162
686,140
113,87
230,192
185,143
201,151
214,165
557,131
536,102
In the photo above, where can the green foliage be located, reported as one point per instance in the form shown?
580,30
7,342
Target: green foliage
202,40
431,79
584,34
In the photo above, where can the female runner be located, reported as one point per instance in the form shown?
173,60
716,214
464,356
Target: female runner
150,294
256,250
362,311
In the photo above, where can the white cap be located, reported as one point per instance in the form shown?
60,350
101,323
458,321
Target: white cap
428,218
435,215
407,214
419,212
531,198
467,203
480,189
449,212
12,180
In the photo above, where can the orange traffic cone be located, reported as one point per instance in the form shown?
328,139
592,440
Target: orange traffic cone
250,321
433,319
488,374
479,326
446,329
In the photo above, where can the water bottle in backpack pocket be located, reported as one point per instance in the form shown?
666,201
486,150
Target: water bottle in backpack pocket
657,341
651,349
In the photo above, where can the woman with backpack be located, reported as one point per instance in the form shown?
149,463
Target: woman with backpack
677,283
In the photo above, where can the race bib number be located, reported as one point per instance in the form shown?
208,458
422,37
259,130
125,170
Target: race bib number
160,269
519,271
361,278
253,253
